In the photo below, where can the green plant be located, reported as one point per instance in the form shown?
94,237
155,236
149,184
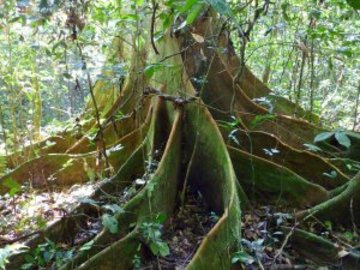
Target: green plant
47,255
341,137
332,174
137,263
259,119
152,232
109,220
214,217
13,186
242,257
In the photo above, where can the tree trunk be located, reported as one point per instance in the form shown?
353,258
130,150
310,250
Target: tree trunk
182,128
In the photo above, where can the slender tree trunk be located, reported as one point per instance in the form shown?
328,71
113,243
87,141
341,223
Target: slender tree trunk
356,109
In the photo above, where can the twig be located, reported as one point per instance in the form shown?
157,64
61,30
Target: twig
177,100
286,240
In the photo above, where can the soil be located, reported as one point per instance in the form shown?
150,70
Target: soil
184,233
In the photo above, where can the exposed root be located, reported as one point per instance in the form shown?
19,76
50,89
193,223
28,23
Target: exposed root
260,175
343,208
321,250
309,165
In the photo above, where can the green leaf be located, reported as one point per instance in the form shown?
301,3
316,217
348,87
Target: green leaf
348,235
261,119
159,248
12,185
343,139
188,5
323,136
191,17
328,225
160,218
355,135
150,70
110,223
332,174
220,6
311,147
354,3
87,246
242,257
26,266
284,8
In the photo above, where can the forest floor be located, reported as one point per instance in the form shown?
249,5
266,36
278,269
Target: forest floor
264,244
267,246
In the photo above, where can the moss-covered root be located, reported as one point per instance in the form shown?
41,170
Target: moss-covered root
42,171
309,165
213,175
320,250
261,175
66,228
158,197
343,208
214,178
69,169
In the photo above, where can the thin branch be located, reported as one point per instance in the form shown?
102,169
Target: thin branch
97,114
152,28
286,240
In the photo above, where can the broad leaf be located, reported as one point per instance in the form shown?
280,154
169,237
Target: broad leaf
87,245
110,223
220,6
355,135
195,12
332,174
261,119
188,5
343,139
323,136
159,248
242,257
12,185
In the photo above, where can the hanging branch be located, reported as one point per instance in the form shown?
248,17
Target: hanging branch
98,123
152,28
100,134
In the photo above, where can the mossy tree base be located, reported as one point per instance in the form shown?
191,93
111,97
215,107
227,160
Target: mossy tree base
183,133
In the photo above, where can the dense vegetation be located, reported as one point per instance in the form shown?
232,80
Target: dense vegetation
190,134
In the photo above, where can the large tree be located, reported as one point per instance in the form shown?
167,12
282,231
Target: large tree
185,122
